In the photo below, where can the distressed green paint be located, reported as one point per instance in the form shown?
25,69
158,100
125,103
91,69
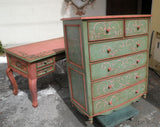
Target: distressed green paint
119,82
74,46
77,87
132,26
118,98
100,70
45,70
97,29
99,51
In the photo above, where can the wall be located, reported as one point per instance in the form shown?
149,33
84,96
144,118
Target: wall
26,21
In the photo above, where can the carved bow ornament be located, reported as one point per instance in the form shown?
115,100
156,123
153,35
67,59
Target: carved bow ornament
79,5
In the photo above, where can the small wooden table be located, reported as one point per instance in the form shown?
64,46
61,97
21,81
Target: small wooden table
34,61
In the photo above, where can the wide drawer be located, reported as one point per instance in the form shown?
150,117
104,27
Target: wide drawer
18,64
45,62
117,66
108,86
45,70
136,26
104,50
118,99
100,30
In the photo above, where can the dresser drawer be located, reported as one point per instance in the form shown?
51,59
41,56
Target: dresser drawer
45,62
135,27
18,64
100,30
116,66
113,101
45,70
104,50
108,86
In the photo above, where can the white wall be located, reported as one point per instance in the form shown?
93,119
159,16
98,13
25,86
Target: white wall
26,21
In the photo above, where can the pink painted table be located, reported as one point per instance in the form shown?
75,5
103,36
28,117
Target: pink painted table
34,61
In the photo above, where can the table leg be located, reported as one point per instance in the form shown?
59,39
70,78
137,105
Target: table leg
13,81
33,90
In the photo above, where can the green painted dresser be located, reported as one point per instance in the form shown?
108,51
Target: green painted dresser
107,61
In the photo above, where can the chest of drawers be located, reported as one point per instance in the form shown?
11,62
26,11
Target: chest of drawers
107,61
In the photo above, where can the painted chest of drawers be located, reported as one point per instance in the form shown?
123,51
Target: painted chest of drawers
107,61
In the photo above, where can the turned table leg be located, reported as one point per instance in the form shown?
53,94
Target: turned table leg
33,90
13,81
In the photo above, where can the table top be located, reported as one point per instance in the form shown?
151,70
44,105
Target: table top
39,50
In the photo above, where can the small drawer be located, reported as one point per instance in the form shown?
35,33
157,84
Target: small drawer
136,26
108,86
18,64
113,101
45,62
100,30
116,66
104,50
45,70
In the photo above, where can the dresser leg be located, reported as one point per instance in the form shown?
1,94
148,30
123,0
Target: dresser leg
33,90
13,81
91,120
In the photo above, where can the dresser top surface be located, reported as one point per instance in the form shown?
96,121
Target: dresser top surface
35,51
107,17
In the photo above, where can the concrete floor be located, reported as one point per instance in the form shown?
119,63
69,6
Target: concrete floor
55,109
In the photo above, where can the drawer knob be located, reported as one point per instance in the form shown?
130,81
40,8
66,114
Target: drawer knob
109,69
108,50
138,61
45,70
137,77
45,62
107,31
137,91
138,45
138,27
110,103
109,87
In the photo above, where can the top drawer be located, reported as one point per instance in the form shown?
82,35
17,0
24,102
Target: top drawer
100,30
136,26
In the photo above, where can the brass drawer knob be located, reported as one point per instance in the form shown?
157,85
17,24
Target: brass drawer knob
138,61
138,45
138,27
109,87
109,69
107,31
137,91
108,50
110,103
137,77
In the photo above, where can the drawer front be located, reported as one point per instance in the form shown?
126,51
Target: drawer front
99,30
45,70
18,64
109,102
110,85
45,62
135,27
116,66
99,51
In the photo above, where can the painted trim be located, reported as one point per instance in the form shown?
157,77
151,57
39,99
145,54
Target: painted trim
108,20
106,17
70,83
66,43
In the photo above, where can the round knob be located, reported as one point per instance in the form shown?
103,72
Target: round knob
138,27
110,103
107,30
108,50
137,77
138,45
45,62
109,87
138,61
109,69
137,91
